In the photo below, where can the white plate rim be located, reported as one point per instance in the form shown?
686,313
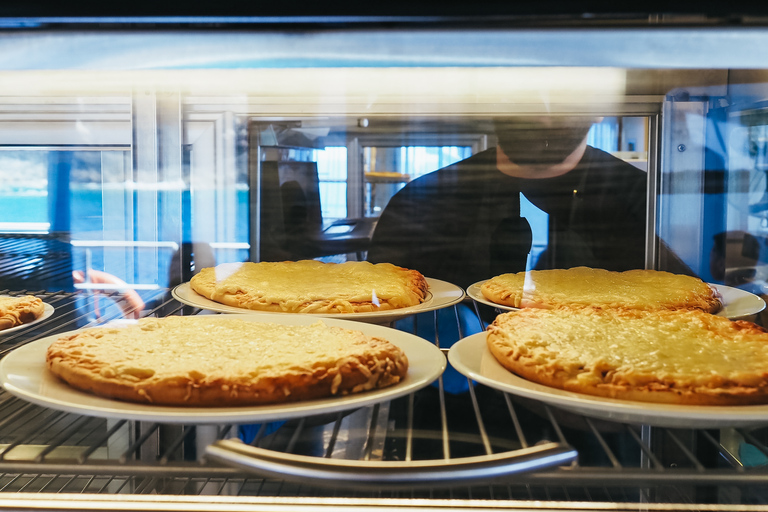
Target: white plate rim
471,357
737,303
48,311
23,373
443,295
474,293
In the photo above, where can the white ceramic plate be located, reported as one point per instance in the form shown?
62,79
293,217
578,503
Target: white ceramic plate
471,357
441,294
737,303
23,373
476,294
47,313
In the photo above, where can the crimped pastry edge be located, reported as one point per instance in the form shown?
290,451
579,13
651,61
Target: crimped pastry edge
561,374
25,309
204,283
495,291
384,366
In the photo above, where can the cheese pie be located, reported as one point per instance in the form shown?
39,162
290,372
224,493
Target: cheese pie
310,286
223,360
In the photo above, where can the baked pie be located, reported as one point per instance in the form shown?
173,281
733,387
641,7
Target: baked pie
223,360
15,311
311,286
584,286
667,356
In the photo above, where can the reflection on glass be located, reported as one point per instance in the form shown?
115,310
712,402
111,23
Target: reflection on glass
388,169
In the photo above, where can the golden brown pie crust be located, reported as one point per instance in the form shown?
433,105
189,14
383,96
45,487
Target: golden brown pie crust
682,357
15,311
310,286
584,286
223,360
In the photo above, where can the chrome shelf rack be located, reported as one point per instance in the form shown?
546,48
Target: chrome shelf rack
54,460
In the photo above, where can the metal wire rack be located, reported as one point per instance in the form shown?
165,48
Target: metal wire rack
44,452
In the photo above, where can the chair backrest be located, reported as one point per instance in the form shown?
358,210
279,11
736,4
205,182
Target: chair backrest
290,209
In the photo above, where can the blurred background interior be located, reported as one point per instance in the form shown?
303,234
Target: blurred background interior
136,150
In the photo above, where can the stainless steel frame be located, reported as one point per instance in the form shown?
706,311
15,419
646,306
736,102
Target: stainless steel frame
365,459
648,47
52,460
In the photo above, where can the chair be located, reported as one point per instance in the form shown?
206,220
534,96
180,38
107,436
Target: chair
292,221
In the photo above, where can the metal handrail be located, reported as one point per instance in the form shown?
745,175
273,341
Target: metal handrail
377,474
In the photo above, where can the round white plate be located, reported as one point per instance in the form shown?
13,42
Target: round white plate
23,373
441,294
47,313
471,357
737,303
476,294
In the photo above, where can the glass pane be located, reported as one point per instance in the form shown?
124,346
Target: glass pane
23,191
712,207
388,169
332,173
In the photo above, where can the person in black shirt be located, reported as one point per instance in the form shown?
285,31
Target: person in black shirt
462,223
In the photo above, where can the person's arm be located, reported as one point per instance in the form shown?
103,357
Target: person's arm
131,302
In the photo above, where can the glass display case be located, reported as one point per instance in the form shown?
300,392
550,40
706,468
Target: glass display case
135,152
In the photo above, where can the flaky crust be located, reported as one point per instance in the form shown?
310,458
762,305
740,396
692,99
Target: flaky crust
15,311
584,286
678,357
140,364
310,286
